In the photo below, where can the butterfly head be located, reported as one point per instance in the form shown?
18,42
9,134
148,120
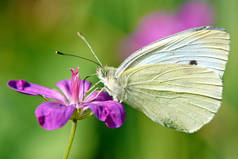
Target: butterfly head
107,77
105,73
101,73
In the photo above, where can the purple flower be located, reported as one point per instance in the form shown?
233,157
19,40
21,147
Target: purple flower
160,24
73,103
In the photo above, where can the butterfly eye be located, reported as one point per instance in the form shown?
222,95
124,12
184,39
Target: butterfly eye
103,72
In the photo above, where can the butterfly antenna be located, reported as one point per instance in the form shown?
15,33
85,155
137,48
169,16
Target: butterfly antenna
61,53
89,46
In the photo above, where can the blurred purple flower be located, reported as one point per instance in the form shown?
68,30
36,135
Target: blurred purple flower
160,24
55,114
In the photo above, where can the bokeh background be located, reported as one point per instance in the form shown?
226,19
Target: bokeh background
31,31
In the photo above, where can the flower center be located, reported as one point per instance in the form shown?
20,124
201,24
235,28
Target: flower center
75,86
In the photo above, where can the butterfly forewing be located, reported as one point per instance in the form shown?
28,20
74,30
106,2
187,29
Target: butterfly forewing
207,47
183,97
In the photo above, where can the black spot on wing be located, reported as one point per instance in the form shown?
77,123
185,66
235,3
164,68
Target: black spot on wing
193,62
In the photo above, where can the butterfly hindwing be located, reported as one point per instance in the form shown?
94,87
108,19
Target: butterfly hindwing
183,97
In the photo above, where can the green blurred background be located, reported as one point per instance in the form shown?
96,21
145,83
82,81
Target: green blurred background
31,31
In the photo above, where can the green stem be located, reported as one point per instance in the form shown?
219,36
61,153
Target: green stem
74,124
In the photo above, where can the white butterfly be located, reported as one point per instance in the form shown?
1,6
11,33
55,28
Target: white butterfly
176,81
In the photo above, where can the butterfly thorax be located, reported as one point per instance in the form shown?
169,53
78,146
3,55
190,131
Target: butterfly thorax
111,84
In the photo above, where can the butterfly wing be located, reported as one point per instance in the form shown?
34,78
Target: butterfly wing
183,97
207,47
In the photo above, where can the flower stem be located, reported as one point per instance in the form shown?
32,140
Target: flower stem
74,124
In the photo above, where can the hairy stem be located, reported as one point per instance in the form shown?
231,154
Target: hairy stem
74,124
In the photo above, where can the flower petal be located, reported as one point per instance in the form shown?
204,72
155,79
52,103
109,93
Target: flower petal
53,115
83,88
65,87
34,89
111,112
103,96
